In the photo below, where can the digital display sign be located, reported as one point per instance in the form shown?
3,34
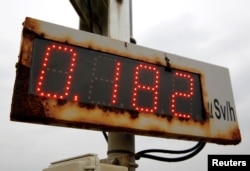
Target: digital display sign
72,78
65,72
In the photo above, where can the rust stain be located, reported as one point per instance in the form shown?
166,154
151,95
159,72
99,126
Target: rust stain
26,48
31,24
144,122
25,107
236,134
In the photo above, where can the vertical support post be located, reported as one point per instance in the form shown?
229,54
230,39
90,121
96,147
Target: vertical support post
121,146
119,20
111,18
121,150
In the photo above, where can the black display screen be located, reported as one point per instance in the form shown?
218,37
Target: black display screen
81,75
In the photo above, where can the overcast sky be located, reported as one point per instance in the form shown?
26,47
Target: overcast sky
213,31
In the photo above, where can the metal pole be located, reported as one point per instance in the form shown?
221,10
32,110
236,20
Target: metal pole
114,18
121,146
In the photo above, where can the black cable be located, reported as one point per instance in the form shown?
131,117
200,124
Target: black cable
143,154
194,150
169,151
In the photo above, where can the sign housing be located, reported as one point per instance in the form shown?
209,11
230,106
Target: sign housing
73,78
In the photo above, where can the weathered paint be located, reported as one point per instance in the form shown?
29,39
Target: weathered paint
63,113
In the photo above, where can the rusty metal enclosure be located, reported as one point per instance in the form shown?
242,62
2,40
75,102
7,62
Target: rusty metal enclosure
220,125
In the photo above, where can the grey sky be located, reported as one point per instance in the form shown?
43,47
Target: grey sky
213,31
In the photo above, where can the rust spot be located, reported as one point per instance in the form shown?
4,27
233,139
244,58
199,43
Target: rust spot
31,24
26,48
236,135
85,105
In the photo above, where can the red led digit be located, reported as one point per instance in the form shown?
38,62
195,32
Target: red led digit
116,80
140,87
180,94
43,72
